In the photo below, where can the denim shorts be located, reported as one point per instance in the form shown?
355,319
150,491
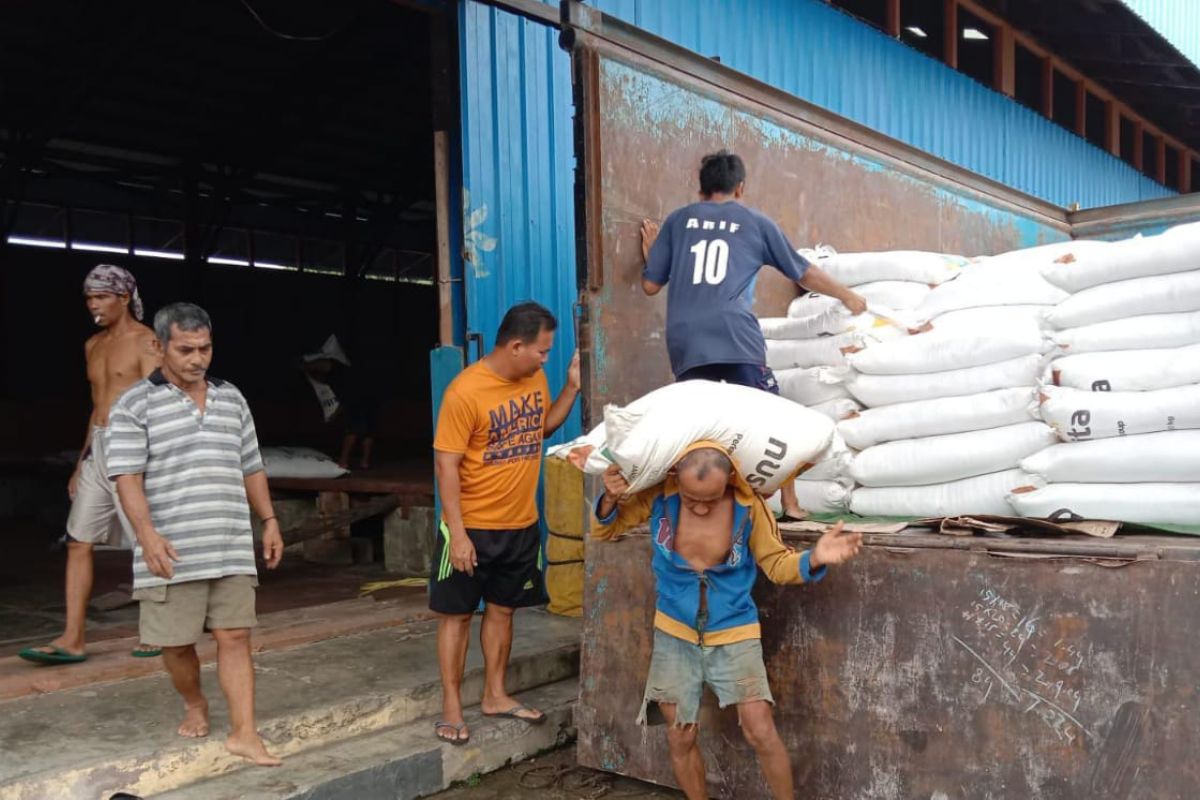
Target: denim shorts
679,671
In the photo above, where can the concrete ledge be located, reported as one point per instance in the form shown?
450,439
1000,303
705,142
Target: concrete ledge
121,736
400,763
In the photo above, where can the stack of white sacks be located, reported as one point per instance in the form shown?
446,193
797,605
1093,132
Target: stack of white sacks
1123,393
808,349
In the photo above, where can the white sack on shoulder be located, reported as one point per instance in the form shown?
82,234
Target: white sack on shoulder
810,386
768,437
988,287
985,494
936,417
939,459
882,390
1078,415
1174,251
853,269
1166,457
1148,503
1128,370
937,352
1161,294
1150,331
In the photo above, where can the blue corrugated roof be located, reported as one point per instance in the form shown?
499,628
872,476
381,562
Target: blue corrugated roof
1177,21
822,55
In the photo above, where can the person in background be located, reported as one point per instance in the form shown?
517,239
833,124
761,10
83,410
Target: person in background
183,451
123,352
488,457
710,534
708,255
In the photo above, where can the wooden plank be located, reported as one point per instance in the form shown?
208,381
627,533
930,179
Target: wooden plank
1185,171
893,18
950,56
1048,87
1081,107
1139,157
1004,52
441,174
1160,162
1112,127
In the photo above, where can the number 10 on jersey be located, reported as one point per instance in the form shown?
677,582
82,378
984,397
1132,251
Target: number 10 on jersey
712,261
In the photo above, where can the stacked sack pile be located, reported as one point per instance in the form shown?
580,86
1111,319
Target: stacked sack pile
808,349
1123,393
949,412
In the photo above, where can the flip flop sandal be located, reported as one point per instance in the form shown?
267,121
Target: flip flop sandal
455,740
785,517
512,714
56,656
151,653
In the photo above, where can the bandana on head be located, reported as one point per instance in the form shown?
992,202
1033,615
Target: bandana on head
111,279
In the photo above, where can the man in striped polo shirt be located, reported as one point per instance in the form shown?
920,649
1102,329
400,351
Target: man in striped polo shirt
183,451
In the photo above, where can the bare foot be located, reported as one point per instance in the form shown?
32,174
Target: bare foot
250,747
195,722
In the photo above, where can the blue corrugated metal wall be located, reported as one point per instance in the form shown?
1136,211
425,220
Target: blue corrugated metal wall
817,53
518,167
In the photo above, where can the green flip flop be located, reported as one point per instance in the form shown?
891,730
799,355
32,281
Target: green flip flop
152,653
56,655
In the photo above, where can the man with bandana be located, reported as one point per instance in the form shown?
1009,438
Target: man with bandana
121,354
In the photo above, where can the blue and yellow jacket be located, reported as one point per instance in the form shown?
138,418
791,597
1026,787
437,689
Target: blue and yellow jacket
731,613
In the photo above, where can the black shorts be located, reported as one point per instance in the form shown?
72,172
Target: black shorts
509,572
755,376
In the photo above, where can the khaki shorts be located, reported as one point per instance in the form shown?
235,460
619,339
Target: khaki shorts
96,515
176,615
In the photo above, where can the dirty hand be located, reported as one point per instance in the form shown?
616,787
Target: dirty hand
649,234
73,484
158,554
272,543
462,554
615,485
836,546
574,378
855,303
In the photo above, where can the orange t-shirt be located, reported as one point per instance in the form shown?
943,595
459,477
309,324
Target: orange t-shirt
497,426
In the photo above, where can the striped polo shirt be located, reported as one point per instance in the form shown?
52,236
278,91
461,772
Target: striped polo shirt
194,467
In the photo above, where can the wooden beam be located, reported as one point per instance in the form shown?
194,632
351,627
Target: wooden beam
1139,157
1160,161
950,56
442,210
1048,87
1004,53
1081,108
1112,127
1185,172
893,18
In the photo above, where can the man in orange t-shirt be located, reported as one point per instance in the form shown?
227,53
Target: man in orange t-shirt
488,456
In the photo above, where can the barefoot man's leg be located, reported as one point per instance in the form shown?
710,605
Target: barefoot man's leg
235,670
184,668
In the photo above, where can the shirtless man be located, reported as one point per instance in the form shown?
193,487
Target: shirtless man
122,353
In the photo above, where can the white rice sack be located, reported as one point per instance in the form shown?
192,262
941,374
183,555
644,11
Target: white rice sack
1127,370
1149,503
975,412
831,463
811,304
799,353
831,322
1078,415
811,386
894,294
985,494
769,438
818,497
854,269
974,289
837,409
1161,294
299,462
937,352
954,456
1174,251
1039,256
882,390
1166,457
1151,331
992,319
